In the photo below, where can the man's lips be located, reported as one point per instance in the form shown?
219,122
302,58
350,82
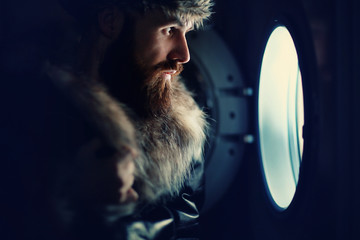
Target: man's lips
171,72
167,74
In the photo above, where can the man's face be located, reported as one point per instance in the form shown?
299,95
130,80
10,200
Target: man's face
140,66
159,40
160,49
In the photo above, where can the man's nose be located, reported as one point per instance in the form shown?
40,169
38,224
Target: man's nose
180,51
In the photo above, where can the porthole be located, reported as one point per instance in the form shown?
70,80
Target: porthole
280,117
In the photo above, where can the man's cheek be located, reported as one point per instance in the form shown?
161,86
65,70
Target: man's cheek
155,55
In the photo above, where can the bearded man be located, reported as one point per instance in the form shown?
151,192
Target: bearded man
134,134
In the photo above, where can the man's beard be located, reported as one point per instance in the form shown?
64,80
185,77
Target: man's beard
157,90
134,83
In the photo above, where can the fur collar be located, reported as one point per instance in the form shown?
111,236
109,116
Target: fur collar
164,146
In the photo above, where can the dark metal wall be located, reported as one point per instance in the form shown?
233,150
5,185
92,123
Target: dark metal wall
347,113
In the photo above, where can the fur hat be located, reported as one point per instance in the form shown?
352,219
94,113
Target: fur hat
195,11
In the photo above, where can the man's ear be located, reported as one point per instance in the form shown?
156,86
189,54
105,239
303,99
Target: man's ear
111,22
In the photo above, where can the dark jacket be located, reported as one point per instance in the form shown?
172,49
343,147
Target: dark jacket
55,132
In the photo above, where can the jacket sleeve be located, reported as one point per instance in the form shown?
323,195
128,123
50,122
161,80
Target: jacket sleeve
177,219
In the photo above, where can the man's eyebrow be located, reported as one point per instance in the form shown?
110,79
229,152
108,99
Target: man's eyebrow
181,23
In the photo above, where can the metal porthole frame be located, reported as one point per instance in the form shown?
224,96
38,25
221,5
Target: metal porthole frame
226,99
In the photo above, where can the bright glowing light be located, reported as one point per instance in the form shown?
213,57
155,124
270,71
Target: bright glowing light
281,116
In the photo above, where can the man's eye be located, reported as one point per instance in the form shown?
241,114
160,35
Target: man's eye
169,31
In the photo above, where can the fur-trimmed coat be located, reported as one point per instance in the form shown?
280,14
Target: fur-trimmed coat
168,161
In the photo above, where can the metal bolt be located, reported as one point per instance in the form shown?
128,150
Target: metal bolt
249,138
248,91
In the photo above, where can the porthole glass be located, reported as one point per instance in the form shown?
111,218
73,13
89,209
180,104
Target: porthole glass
280,117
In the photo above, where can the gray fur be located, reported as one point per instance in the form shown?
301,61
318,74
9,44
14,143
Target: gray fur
193,11
164,146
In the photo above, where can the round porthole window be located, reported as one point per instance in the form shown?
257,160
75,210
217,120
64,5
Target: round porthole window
280,117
